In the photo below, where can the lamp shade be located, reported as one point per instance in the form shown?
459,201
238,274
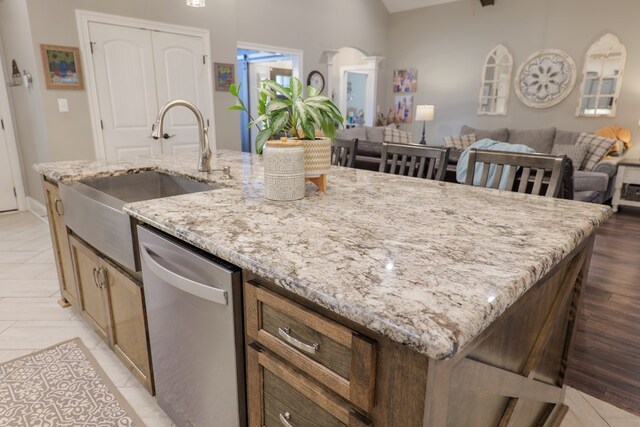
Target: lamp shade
196,3
425,113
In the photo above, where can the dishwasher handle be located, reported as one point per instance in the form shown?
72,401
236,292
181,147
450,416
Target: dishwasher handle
192,287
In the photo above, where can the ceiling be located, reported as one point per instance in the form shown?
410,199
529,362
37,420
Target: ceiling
401,5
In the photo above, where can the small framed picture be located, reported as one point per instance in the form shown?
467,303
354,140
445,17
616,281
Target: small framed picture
224,75
62,68
405,81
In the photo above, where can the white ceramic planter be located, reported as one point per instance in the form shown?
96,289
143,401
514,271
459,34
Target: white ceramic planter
284,170
317,157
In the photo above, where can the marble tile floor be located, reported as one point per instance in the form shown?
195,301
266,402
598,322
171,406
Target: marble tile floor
31,319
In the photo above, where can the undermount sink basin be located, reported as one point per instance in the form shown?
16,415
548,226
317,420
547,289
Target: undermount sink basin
93,209
146,186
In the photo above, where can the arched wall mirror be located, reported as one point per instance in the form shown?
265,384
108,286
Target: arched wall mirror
496,82
602,78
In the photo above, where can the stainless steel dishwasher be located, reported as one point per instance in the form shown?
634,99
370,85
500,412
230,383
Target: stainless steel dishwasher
194,311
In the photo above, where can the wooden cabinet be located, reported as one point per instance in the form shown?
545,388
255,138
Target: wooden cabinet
113,302
305,369
280,396
60,243
128,321
90,275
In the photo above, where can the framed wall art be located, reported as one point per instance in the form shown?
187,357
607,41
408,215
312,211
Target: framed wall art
224,75
62,69
405,81
403,107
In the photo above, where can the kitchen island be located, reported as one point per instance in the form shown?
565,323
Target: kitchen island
465,298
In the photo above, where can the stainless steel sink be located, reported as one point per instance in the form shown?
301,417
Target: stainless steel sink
93,209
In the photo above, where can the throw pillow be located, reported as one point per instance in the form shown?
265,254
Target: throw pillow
576,152
596,146
460,142
540,140
501,134
397,136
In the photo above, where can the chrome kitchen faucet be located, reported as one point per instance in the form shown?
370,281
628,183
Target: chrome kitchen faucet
204,164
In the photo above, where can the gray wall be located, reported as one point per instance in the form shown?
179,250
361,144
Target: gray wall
449,43
28,110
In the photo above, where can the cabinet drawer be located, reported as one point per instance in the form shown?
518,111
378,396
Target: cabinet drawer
329,352
286,398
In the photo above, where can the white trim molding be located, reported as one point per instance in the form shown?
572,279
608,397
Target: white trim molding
296,54
370,68
12,142
37,208
84,17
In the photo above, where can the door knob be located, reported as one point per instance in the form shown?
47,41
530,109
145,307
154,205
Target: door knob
167,136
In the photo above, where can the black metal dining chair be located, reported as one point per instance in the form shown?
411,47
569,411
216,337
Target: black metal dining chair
537,174
415,161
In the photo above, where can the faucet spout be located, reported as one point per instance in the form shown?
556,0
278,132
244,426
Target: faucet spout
204,163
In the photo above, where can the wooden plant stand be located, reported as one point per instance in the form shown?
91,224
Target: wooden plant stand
319,181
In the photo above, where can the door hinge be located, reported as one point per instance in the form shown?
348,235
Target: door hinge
204,59
91,46
101,125
14,193
2,123
208,123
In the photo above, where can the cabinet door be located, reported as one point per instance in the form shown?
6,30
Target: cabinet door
60,242
129,322
90,277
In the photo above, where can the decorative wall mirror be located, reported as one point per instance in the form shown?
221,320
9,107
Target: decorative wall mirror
602,78
496,82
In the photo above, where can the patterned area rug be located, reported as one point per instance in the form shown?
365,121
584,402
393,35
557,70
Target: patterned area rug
62,385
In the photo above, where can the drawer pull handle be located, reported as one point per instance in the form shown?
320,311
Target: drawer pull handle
285,334
284,419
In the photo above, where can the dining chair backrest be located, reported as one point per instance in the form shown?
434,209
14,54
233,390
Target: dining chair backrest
537,174
343,152
414,160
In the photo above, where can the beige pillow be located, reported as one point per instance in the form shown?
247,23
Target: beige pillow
460,142
397,136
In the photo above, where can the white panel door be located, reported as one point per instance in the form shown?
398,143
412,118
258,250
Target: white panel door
181,73
8,201
125,80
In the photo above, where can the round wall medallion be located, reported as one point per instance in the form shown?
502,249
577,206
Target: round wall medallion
546,78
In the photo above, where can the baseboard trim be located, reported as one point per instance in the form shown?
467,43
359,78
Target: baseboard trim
37,208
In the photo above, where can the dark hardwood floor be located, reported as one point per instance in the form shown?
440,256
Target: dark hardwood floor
606,356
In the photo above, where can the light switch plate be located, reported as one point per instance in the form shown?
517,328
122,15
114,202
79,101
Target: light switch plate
63,105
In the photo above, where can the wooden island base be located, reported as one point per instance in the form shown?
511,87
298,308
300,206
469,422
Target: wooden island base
510,375
513,373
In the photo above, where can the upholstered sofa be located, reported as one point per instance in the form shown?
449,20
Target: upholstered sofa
594,186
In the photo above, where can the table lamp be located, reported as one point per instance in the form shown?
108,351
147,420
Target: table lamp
425,113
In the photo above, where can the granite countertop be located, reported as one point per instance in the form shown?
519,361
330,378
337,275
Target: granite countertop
428,264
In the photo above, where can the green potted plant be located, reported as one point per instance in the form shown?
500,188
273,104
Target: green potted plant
285,109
